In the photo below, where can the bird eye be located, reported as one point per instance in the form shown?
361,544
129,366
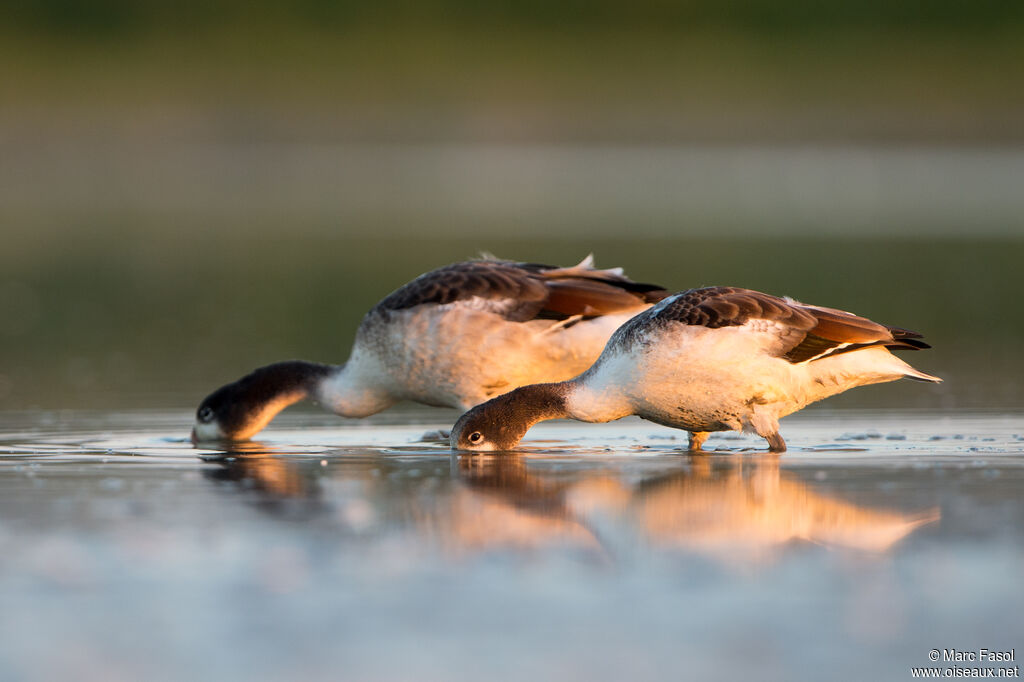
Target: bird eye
205,413
475,437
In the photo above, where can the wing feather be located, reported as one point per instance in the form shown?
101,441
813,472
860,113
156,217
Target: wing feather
805,332
526,291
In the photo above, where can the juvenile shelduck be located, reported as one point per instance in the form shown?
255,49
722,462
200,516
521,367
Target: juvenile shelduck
704,360
453,337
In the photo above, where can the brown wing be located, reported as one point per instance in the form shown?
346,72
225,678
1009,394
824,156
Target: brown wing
837,331
584,290
526,291
716,307
812,332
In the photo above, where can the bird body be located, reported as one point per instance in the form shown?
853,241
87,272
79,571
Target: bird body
713,359
459,357
453,337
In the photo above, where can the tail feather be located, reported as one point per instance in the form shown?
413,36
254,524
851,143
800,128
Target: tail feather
917,375
904,339
585,270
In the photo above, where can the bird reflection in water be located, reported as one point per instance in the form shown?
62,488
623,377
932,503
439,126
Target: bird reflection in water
276,483
733,509
501,504
728,508
749,509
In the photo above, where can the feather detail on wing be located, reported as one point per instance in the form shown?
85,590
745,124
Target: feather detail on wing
837,331
525,291
805,332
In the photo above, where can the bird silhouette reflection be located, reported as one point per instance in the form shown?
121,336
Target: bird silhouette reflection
729,508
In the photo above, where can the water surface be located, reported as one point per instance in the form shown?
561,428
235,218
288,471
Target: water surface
339,549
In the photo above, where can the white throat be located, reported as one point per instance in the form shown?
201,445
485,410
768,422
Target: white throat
590,401
350,391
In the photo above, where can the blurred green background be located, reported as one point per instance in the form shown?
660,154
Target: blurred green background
189,190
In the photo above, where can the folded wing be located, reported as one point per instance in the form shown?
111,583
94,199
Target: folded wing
804,332
525,291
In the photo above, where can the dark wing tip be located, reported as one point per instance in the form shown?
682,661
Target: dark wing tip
901,333
908,344
650,293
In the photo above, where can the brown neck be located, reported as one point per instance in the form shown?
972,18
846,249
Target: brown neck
500,423
538,402
520,409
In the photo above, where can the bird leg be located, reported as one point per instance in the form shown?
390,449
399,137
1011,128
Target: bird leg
766,424
697,439
775,442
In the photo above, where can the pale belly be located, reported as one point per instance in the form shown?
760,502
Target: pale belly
696,398
715,380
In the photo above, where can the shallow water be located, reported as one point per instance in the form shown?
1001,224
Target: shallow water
351,550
